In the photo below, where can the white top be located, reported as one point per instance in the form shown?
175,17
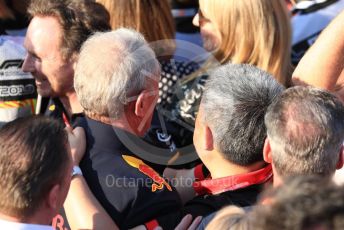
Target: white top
309,24
4,225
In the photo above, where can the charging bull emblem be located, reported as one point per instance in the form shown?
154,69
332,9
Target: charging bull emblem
159,182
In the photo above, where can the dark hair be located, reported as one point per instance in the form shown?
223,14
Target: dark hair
33,158
78,19
234,102
305,128
305,202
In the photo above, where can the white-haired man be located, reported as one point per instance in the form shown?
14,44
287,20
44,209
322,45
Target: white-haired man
116,80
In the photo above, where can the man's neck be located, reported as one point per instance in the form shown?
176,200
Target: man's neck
118,123
71,104
220,167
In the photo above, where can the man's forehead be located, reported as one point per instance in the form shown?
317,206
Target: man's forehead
43,29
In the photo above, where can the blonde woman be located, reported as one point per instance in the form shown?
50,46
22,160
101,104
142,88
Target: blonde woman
255,32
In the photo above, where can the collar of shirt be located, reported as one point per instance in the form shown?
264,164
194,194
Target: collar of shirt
62,113
21,226
105,136
231,183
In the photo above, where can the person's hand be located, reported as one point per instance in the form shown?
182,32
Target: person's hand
77,142
185,224
188,224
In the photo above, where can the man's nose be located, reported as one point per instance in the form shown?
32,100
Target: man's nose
28,64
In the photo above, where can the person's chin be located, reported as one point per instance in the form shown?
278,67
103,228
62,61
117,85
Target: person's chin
209,45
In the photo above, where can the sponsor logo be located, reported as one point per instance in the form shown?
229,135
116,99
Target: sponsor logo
58,223
159,182
12,63
16,90
163,137
52,108
11,70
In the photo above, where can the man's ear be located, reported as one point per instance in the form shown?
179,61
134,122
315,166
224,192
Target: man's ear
74,66
267,151
145,103
73,60
53,197
209,139
340,162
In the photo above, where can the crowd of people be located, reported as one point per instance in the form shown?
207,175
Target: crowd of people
113,117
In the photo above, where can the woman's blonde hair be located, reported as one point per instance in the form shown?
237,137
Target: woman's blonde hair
256,32
152,18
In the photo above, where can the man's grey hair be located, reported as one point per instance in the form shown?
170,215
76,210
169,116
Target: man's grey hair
113,68
234,103
305,127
